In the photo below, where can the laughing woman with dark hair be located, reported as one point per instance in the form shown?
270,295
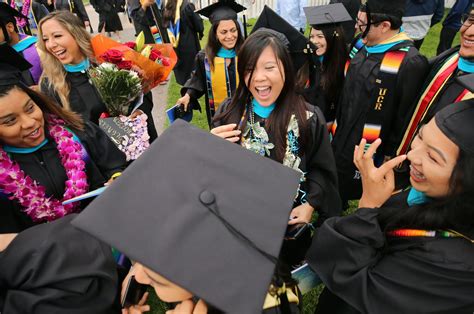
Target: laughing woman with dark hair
326,72
267,116
413,251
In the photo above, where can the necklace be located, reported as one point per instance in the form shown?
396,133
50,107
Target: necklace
29,194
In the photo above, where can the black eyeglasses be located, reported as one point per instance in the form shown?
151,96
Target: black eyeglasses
360,24
467,19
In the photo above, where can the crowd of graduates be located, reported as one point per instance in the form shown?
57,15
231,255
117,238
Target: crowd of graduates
225,219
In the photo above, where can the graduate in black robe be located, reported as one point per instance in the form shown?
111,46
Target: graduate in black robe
215,67
185,28
287,130
56,268
42,161
83,97
414,251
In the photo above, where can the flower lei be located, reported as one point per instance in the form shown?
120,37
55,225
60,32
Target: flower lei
25,9
30,194
255,138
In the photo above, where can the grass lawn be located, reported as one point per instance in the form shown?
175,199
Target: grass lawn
310,300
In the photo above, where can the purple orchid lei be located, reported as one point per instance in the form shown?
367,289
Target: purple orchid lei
25,9
135,144
30,194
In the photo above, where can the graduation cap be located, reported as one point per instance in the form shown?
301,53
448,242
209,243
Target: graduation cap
467,81
455,121
202,212
394,8
11,65
222,10
299,46
8,14
326,15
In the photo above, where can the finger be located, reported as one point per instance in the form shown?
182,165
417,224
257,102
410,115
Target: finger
355,158
369,154
360,148
295,220
143,299
223,128
234,139
390,180
392,163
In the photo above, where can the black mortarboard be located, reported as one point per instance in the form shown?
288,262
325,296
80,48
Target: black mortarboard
331,14
388,7
222,10
202,212
298,46
11,65
455,121
467,81
8,14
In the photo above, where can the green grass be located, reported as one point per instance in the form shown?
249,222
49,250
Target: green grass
310,300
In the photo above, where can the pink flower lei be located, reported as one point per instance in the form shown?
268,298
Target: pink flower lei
25,10
30,194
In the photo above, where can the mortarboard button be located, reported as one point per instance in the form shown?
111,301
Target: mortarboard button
207,198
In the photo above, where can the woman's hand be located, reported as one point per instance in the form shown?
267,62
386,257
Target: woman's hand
227,132
184,101
135,114
139,308
301,214
188,307
378,184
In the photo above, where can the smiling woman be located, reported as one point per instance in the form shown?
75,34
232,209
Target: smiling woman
47,155
215,74
267,117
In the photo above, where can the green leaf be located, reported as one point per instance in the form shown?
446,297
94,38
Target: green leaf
140,42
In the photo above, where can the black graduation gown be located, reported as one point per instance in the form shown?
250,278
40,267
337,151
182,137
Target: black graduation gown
56,268
191,29
315,94
142,20
85,100
374,274
450,91
317,162
196,86
45,167
74,6
108,14
355,102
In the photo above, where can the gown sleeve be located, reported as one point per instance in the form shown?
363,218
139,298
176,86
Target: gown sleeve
103,152
195,86
351,256
195,21
321,174
56,268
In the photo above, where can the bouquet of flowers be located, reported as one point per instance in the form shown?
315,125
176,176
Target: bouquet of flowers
117,84
152,67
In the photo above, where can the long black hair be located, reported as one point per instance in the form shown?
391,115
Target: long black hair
455,211
287,103
332,76
169,13
213,45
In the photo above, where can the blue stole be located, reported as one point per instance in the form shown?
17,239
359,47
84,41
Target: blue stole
227,54
416,197
24,43
24,150
80,67
262,111
465,65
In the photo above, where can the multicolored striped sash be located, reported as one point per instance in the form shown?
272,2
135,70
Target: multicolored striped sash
427,98
217,92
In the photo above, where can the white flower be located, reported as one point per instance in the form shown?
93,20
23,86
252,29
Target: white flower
108,66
